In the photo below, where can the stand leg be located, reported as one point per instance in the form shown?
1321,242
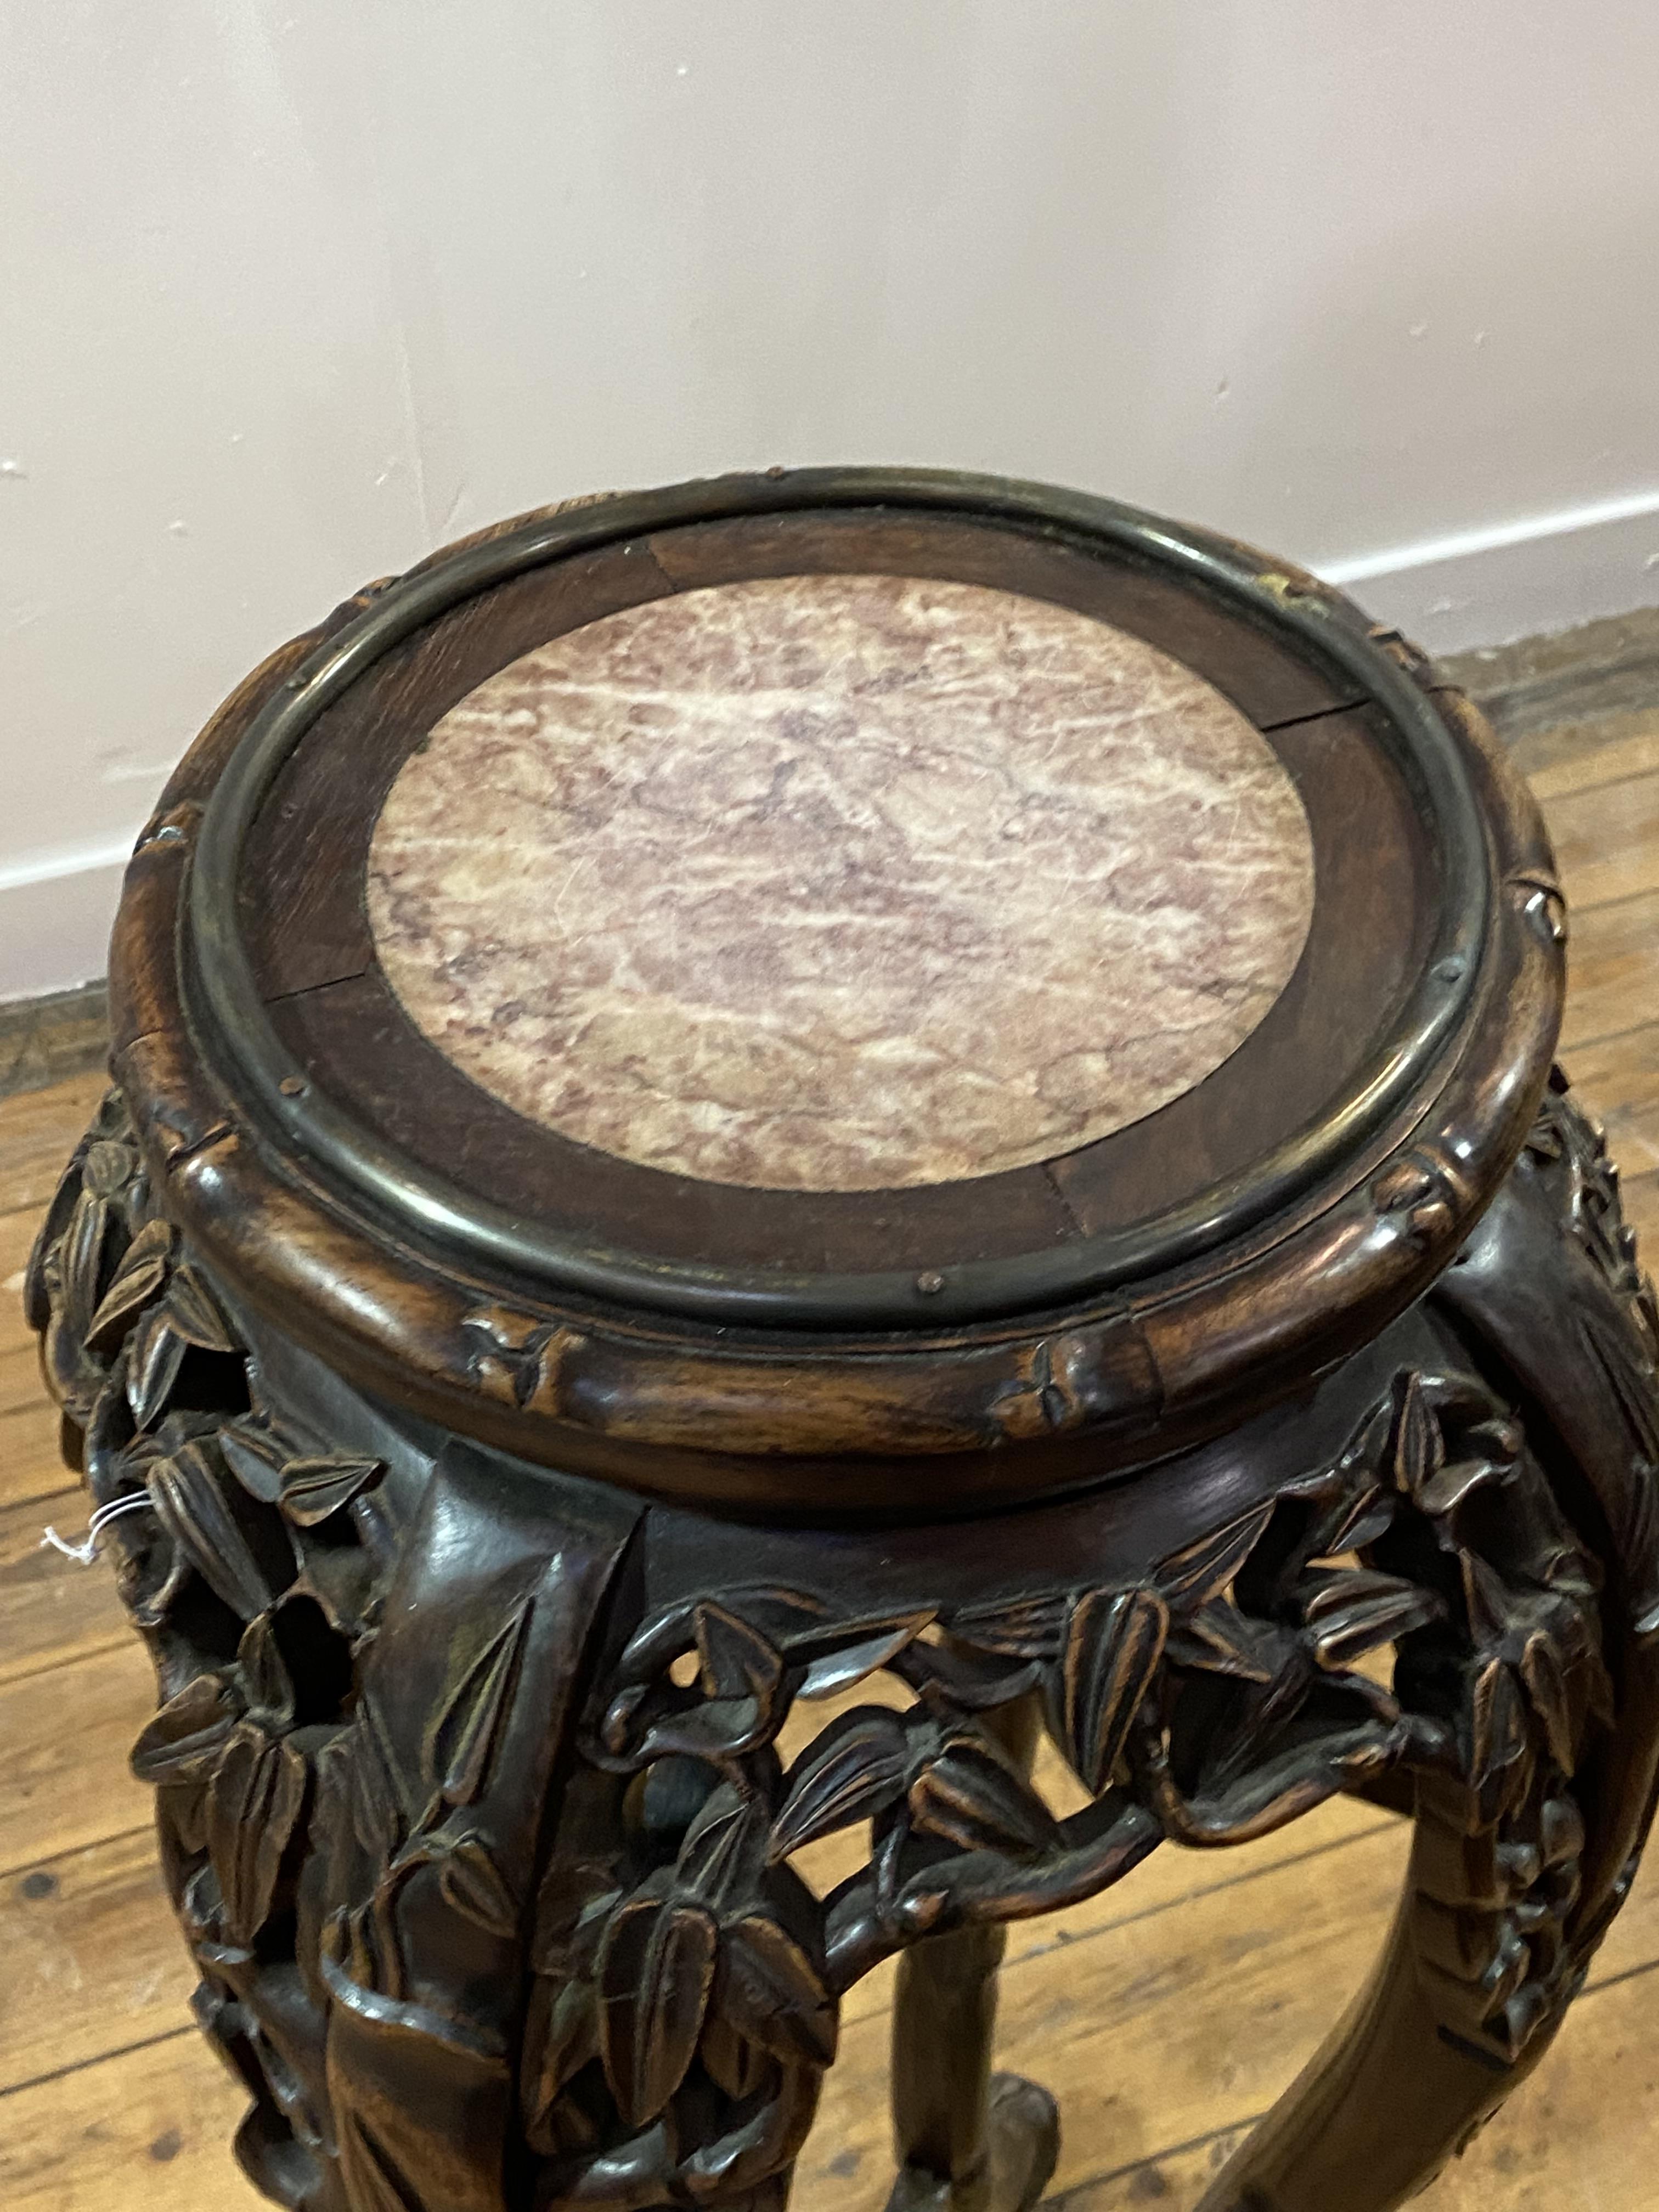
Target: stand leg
967,2140
1548,1288
1378,2111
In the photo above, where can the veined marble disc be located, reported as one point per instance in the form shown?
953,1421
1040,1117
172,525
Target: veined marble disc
840,883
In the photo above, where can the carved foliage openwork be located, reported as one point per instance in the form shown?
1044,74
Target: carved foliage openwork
1617,1344
1222,1694
1416,1618
255,1565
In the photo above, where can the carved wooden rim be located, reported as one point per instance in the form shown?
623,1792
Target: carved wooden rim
972,1415
366,1172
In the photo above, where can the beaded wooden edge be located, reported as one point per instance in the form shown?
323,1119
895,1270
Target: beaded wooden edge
822,1421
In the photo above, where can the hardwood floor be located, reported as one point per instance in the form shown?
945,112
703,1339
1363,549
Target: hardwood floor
1166,2015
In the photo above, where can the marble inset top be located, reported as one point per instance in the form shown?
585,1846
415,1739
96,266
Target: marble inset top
841,882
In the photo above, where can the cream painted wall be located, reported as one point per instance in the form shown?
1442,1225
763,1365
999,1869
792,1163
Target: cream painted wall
291,292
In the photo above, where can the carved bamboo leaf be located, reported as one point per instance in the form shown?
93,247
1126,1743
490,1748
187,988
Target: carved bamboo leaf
1350,1612
1550,1696
1113,1647
150,1588
720,1729
869,1646
140,1277
330,1783
375,2180
723,1850
856,1768
48,1245
183,1742
973,1797
108,1167
1498,1729
464,1737
1488,1601
192,1509
81,1260
349,1931
471,1881
387,1943
1626,1362
736,1661
656,1970
253,1804
255,1458
773,1993
313,1489
1445,1490
1560,1829
1202,1570
193,1312
379,1804
1355,1521
823,1636
1518,2019
270,1689
342,1579
960,1677
731,2061
1024,1628
1417,1449
574,1907
571,2041
1219,1639
156,1352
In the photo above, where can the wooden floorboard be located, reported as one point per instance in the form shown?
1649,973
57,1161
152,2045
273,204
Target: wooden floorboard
1167,2014
1606,841
1613,969
31,1469
37,1131
53,1609
1590,756
87,1939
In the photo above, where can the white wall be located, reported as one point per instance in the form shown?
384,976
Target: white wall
291,290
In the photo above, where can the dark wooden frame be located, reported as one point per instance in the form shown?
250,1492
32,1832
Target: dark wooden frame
626,550
468,1782
322,1221
1187,1175
493,1903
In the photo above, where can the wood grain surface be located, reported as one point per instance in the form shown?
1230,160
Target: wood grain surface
1166,2015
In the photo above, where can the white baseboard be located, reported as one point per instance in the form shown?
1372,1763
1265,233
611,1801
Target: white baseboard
56,910
1481,587
1522,578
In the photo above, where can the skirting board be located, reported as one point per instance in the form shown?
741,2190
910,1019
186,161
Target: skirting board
1515,579
1481,587
55,918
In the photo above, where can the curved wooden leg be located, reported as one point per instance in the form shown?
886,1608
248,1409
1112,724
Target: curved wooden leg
1377,2112
967,2140
1518,1865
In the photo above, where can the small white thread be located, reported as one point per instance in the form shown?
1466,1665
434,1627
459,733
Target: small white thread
84,1554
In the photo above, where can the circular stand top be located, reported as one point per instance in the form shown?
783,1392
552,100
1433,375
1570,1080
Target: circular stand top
833,970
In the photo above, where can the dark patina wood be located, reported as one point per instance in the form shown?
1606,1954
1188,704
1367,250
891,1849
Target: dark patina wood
478,1600
1301,1262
